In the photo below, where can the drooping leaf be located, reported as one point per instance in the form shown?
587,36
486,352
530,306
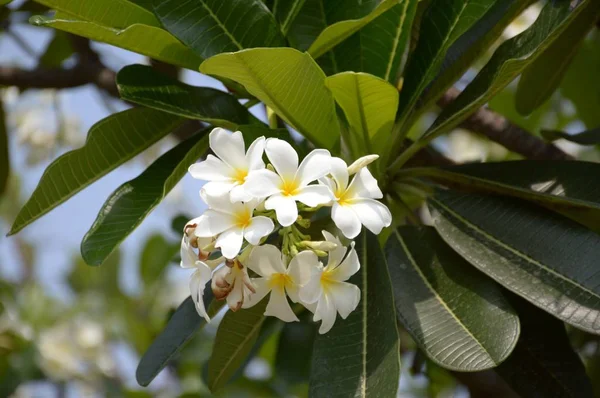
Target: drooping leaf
178,331
144,85
285,12
294,350
212,27
297,94
157,253
359,356
236,335
110,143
458,317
129,204
4,154
58,50
509,60
544,75
589,137
543,364
542,256
369,104
147,40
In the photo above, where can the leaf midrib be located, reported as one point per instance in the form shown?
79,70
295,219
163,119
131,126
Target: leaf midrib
399,30
221,25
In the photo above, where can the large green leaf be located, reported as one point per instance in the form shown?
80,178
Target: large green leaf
4,154
237,333
509,60
359,356
110,143
288,81
543,364
178,331
144,85
109,13
129,204
156,255
589,137
544,75
294,350
211,27
285,12
369,104
459,318
546,258
147,40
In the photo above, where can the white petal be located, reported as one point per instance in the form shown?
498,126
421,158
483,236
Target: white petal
238,194
212,223
218,188
188,256
326,313
220,203
262,289
197,285
339,172
372,214
212,169
235,298
262,183
312,291
229,147
230,242
329,183
346,220
255,154
283,157
280,307
314,195
336,255
285,208
259,227
266,260
315,165
301,266
364,185
345,297
348,267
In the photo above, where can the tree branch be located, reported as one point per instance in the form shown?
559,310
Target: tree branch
511,136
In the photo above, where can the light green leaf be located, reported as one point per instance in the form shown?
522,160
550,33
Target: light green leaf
285,12
212,27
235,338
459,318
589,137
147,40
110,143
509,60
359,356
544,75
338,32
298,94
157,253
543,257
369,104
131,203
145,86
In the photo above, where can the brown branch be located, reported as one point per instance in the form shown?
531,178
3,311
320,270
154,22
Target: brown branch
511,136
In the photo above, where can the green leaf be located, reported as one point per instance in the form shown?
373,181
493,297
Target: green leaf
179,330
110,143
109,13
543,363
105,282
212,27
4,154
58,50
443,22
235,338
359,356
145,86
147,40
459,318
544,75
285,12
131,203
590,137
509,60
298,94
545,258
370,105
338,32
157,253
294,350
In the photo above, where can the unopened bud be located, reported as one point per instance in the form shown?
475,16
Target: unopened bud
322,245
361,162
303,222
320,253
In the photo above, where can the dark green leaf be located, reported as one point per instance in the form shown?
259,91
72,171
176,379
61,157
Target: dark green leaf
144,85
110,143
156,256
542,256
298,95
58,50
237,333
543,363
285,12
4,155
456,315
359,356
129,204
544,75
590,137
294,350
212,27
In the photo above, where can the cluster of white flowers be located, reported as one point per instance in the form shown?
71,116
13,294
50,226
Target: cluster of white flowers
248,201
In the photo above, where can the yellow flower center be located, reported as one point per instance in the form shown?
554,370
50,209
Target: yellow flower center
289,187
327,279
280,281
240,176
343,197
243,219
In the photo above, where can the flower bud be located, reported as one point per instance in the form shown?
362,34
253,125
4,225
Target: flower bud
361,162
319,245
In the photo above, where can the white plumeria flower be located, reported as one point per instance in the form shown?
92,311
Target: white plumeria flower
355,204
227,173
278,278
231,282
290,183
232,222
327,287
